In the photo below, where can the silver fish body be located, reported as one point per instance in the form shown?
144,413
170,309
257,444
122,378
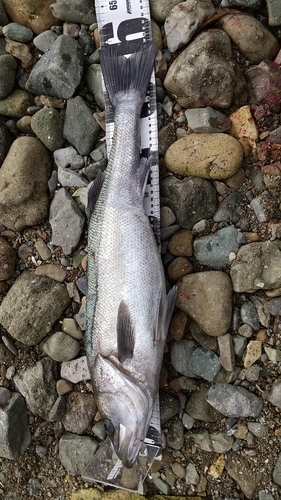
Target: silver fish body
127,307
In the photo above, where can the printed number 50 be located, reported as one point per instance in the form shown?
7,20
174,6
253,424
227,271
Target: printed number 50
113,5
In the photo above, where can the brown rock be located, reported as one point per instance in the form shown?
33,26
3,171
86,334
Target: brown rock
53,271
178,326
20,51
35,14
7,259
252,38
24,175
181,243
207,298
179,268
80,411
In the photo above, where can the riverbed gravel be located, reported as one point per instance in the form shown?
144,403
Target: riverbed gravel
218,83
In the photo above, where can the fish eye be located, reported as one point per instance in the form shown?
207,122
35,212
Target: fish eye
109,427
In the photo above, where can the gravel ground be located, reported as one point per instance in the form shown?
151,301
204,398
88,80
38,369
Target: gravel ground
38,472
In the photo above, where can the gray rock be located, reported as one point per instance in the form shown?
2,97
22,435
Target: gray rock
169,406
187,421
175,434
86,42
3,16
198,408
99,430
184,20
218,442
94,84
239,345
38,386
160,10
205,73
162,485
273,307
76,451
31,307
45,40
76,11
191,476
265,207
61,347
5,141
8,68
80,127
275,394
166,137
234,401
181,353
206,341
259,430
191,199
230,208
7,259
205,364
65,156
207,120
76,370
14,430
227,354
250,4
18,32
264,495
257,267
16,104
57,410
277,471
59,70
250,480
274,14
67,221
214,250
80,410
68,178
24,196
249,315
48,126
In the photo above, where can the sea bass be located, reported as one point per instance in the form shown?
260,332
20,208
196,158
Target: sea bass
128,311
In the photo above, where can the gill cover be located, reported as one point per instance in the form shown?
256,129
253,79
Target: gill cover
123,403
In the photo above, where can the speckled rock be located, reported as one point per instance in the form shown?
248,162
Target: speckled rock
22,12
207,298
16,103
94,83
7,259
59,70
24,196
61,347
257,266
210,156
75,452
80,410
183,21
252,38
191,199
29,294
13,417
48,126
78,12
204,74
80,127
8,67
18,32
234,401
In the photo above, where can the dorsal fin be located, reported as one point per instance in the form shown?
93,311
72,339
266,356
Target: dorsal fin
125,333
94,192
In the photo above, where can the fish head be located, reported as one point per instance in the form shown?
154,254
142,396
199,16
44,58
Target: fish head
124,406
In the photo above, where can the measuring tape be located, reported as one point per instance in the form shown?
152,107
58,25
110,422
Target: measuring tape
125,24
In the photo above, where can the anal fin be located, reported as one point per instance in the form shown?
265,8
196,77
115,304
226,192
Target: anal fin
94,193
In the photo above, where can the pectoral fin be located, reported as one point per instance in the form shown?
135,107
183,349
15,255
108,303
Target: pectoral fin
166,306
94,193
125,333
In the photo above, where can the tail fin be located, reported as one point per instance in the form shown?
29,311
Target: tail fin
122,74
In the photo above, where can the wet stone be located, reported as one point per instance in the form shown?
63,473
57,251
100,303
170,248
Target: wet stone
38,386
45,40
75,12
75,452
198,408
14,433
230,208
234,401
18,32
61,347
19,309
48,126
181,353
8,67
169,406
175,434
80,410
59,70
191,199
249,315
204,363
80,127
214,250
207,120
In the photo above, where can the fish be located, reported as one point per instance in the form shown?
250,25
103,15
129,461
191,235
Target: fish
128,310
